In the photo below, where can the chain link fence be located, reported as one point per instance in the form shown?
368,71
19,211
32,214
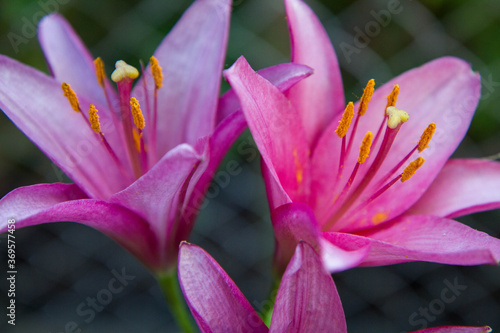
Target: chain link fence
62,267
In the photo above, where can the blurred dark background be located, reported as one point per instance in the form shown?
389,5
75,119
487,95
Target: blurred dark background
61,264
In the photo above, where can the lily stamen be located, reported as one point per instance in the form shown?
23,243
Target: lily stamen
139,124
99,71
389,137
73,100
137,113
364,152
363,106
94,119
130,111
423,143
101,80
345,122
138,142
341,131
391,101
156,71
426,137
393,96
71,96
367,96
96,127
408,172
395,119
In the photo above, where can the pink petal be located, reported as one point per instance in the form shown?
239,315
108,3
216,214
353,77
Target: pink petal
455,329
320,98
444,91
292,223
276,129
338,259
307,299
440,240
36,105
422,238
68,58
283,76
276,194
156,195
25,201
192,57
230,127
45,203
215,301
71,62
464,186
296,222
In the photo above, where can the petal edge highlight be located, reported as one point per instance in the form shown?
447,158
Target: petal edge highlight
221,307
464,186
307,300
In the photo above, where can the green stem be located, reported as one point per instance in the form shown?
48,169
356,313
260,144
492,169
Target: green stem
173,295
266,315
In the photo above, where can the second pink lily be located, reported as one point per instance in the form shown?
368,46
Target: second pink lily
380,204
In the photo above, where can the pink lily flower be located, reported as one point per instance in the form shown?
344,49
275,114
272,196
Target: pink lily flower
133,181
140,165
369,206
306,301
